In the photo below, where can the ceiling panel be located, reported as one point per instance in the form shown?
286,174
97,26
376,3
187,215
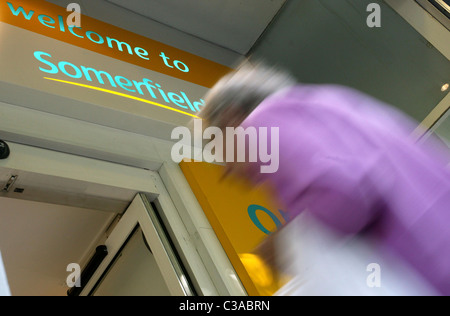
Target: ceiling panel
234,24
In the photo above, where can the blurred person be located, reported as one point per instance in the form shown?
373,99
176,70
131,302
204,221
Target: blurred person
350,170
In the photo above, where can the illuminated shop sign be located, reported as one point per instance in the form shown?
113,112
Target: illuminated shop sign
439,9
139,90
145,70
48,19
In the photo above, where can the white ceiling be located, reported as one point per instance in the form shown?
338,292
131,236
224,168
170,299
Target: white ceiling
233,24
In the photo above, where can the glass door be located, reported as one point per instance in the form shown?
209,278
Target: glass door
141,259
134,272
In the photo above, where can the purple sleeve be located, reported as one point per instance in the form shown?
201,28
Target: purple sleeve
328,162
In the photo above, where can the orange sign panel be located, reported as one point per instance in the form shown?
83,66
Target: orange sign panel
48,19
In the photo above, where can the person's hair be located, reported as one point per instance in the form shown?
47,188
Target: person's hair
242,91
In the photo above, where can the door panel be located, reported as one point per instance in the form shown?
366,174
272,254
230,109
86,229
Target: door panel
134,272
130,263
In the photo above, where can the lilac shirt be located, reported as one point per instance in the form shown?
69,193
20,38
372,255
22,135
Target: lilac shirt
350,160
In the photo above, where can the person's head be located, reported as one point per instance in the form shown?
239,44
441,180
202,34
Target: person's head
238,93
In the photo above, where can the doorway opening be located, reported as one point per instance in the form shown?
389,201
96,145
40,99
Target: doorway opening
61,207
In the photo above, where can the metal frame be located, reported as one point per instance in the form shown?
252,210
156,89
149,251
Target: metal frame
141,213
215,262
435,12
427,125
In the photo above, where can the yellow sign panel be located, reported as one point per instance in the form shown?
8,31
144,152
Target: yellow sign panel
242,217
